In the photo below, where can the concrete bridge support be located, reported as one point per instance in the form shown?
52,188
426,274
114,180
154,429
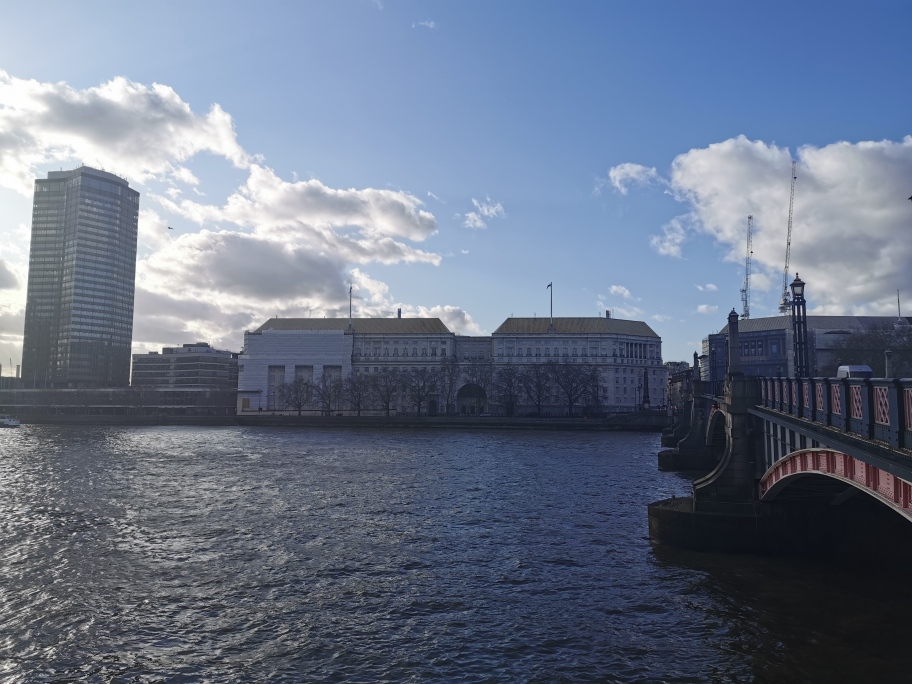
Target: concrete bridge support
807,466
731,487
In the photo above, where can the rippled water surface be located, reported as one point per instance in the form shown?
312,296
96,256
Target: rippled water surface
242,554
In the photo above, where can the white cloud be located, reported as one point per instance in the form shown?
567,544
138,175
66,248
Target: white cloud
374,300
850,235
623,176
673,236
660,318
428,24
620,290
488,209
707,309
709,287
8,280
271,247
474,221
131,129
628,312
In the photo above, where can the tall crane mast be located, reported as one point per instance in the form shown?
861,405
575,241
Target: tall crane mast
746,290
785,303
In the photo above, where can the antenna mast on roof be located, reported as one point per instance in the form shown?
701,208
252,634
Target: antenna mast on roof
786,304
745,291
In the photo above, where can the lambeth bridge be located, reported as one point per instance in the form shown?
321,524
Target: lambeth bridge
815,464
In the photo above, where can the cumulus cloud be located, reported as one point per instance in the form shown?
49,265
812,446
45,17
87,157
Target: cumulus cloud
474,221
850,235
709,287
374,300
660,318
671,241
620,290
622,176
8,280
707,309
270,247
131,129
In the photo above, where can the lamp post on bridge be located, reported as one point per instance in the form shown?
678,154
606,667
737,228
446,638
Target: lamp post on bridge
799,328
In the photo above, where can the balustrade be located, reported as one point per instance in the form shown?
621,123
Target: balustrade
876,408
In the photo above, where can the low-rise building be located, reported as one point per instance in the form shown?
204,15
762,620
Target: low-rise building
585,365
767,344
195,365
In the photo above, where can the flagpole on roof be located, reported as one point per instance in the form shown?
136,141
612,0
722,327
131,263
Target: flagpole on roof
551,326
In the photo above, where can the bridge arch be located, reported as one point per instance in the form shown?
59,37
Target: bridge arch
717,435
853,474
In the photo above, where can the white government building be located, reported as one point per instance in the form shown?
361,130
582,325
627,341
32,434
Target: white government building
623,360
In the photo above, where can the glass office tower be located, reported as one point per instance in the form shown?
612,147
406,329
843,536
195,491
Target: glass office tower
82,273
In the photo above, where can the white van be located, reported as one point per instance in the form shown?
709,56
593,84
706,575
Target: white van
854,372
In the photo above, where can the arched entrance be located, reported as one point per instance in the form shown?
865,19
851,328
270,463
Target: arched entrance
471,400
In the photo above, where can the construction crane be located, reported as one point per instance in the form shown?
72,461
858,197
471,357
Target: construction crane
786,304
746,290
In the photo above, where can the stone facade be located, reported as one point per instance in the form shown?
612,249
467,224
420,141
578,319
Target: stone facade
484,373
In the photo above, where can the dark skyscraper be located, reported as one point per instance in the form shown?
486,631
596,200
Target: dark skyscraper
82,272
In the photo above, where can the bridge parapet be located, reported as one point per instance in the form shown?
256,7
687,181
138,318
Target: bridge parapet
878,408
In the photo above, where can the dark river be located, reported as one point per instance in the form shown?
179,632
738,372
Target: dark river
184,554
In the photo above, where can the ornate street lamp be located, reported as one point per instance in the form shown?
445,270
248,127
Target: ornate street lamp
799,328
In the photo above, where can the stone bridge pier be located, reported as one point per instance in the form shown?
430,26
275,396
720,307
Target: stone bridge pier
798,470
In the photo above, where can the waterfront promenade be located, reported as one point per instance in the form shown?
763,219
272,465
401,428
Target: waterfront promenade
635,422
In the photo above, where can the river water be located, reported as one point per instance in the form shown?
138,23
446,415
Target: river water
243,554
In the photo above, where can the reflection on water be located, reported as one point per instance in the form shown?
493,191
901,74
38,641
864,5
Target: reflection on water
195,554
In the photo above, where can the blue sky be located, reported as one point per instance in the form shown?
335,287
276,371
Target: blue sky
452,159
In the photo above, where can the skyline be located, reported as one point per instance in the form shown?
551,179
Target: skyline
454,160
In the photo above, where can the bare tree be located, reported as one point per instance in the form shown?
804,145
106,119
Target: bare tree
449,374
592,394
328,393
867,347
572,380
296,395
357,392
386,386
535,381
507,388
420,383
